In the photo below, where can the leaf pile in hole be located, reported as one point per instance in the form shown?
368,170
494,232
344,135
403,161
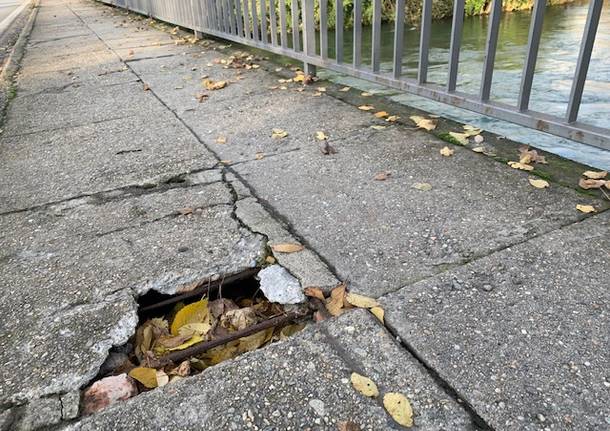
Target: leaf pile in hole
187,325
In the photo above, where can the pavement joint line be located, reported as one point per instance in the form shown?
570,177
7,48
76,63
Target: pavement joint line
34,44
129,190
135,60
77,84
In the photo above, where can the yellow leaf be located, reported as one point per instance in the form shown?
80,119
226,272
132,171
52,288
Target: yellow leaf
146,376
334,304
522,166
278,133
424,187
290,330
221,140
447,152
381,114
254,341
197,312
399,407
392,118
471,130
366,107
321,135
539,184
364,385
379,313
585,209
424,123
593,175
299,77
345,89
314,292
461,138
200,328
287,247
214,85
361,301
193,340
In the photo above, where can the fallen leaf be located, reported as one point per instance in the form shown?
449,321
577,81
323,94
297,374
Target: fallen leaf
399,407
471,130
461,138
591,184
382,176
214,85
379,313
197,328
287,247
381,114
345,89
238,319
221,140
146,87
299,77
146,376
527,156
365,94
334,304
270,260
321,136
521,166
392,118
422,186
197,312
201,97
479,149
447,152
424,123
366,107
162,378
364,385
314,292
278,133
585,209
361,301
593,175
321,89
539,184
377,127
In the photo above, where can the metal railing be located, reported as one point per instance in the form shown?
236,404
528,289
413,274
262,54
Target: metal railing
264,24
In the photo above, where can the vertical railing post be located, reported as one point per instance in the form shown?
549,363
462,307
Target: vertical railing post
399,29
490,50
309,35
424,42
456,41
584,57
533,42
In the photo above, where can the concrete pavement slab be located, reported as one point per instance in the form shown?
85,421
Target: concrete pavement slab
300,383
385,234
96,157
521,334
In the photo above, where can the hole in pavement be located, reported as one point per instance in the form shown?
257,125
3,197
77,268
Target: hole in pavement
181,335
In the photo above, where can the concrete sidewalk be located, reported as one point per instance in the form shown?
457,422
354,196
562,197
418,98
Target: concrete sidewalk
495,292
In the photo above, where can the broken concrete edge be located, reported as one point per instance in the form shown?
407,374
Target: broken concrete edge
13,62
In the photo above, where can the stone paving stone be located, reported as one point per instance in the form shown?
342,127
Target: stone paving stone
96,157
69,275
300,383
522,334
383,235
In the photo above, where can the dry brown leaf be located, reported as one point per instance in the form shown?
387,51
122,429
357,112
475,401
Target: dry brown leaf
447,152
314,292
361,301
238,319
591,184
278,133
221,140
382,176
364,385
334,304
348,426
527,156
366,107
595,175
424,123
287,247
521,166
538,183
270,260
381,114
379,313
259,156
214,85
399,407
586,208
392,118
321,89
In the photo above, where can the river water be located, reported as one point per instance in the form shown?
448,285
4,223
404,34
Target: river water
562,32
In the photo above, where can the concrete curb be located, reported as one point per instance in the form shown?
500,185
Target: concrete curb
12,63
